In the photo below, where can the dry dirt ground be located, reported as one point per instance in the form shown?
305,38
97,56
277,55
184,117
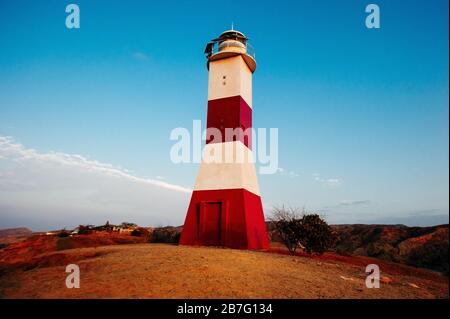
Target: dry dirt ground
170,271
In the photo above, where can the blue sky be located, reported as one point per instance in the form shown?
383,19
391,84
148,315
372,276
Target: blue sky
368,108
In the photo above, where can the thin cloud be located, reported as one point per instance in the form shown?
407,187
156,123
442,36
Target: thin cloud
9,149
285,172
140,56
55,190
330,182
354,202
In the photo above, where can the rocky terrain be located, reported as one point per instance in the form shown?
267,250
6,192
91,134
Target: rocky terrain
27,253
12,235
425,247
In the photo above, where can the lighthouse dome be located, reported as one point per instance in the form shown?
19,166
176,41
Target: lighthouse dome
231,43
233,34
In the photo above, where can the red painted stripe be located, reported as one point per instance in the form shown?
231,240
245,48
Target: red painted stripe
232,113
232,218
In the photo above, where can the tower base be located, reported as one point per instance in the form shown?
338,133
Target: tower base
231,218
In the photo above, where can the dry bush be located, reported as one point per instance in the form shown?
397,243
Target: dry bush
169,235
85,229
285,223
315,234
63,233
140,232
308,231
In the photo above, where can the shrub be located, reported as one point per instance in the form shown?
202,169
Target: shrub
136,233
176,237
63,233
140,232
315,234
169,235
308,231
84,230
287,226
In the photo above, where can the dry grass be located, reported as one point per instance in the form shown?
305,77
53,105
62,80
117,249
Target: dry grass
170,271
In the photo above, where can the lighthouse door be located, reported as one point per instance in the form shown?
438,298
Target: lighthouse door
211,223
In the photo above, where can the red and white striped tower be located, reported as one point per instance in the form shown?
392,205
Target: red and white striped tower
225,208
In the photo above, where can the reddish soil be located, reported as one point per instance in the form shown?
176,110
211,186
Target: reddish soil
37,249
387,267
171,271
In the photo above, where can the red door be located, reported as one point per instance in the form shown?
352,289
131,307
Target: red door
211,224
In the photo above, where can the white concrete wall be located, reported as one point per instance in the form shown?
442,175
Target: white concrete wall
237,81
227,165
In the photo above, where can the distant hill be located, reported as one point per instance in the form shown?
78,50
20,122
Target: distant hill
21,231
418,246
12,235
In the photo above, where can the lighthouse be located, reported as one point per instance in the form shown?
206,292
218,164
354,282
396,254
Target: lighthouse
225,208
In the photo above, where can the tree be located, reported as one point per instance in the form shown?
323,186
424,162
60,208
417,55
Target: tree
315,234
286,223
308,231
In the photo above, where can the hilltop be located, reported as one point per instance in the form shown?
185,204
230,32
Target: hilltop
424,247
124,264
171,271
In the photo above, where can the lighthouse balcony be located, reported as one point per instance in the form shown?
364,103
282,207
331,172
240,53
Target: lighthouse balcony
229,48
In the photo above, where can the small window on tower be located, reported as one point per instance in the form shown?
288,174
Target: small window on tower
224,77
